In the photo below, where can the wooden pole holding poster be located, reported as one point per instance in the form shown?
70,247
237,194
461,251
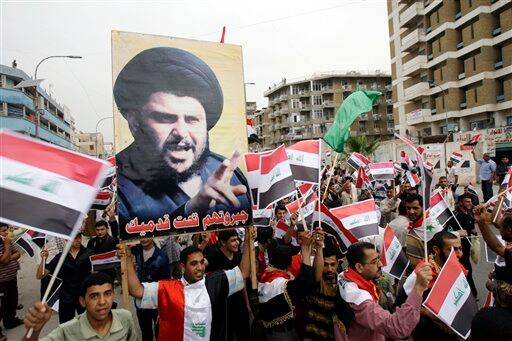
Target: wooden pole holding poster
252,258
124,279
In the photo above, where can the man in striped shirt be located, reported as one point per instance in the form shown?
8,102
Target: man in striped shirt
9,266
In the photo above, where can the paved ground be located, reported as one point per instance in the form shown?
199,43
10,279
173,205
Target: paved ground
29,291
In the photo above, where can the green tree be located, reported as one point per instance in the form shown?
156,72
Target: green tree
360,144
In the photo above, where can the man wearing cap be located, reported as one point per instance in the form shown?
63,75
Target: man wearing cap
171,99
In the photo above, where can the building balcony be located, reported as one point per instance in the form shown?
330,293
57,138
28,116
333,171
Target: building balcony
389,87
305,107
389,102
417,116
417,63
414,10
283,97
328,103
28,127
390,117
462,75
376,117
17,97
346,87
416,90
327,89
304,93
412,39
363,117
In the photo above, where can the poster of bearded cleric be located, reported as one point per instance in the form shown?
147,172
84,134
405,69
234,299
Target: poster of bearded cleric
180,131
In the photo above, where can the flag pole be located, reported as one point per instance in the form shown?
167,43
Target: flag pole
319,190
330,177
56,272
124,278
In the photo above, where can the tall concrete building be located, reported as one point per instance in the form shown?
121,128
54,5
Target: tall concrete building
18,110
92,144
305,108
451,66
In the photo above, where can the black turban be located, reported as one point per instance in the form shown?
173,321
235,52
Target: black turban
170,70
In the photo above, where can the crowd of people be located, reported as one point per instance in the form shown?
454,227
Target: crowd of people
199,287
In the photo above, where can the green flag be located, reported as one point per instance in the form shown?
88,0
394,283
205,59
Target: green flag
354,105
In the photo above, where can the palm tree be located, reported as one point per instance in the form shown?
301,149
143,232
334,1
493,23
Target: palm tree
360,144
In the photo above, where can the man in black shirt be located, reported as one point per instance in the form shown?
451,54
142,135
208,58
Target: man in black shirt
466,219
103,242
225,256
75,269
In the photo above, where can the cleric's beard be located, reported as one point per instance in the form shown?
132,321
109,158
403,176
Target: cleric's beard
193,170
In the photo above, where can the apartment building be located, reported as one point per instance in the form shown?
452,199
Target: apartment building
305,108
18,106
92,144
451,66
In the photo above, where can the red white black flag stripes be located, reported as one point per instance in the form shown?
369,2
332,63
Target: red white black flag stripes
456,157
276,180
450,298
103,261
413,179
393,257
102,200
357,160
359,218
252,164
304,157
439,209
307,201
362,179
333,227
45,187
470,145
382,171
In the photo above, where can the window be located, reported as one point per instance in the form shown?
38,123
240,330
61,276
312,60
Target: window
472,31
509,120
476,95
318,114
295,104
391,125
295,90
91,147
317,86
441,73
317,100
478,125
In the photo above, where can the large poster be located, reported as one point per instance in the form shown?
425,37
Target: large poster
180,129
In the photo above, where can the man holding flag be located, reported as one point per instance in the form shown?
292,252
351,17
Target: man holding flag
358,288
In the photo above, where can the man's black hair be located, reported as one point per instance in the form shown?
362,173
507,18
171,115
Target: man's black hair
402,210
96,278
442,177
412,197
280,257
356,253
187,252
100,223
279,208
439,238
330,251
264,234
169,70
492,323
224,235
465,196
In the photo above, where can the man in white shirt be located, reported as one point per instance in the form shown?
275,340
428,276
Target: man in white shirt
194,307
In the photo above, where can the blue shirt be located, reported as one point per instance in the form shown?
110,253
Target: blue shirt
486,169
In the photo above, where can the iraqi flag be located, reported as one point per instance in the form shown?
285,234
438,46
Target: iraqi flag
489,300
25,243
251,133
104,261
359,218
507,180
110,174
456,157
450,298
393,257
470,145
276,180
36,237
357,160
102,200
412,178
304,157
362,179
252,164
262,217
472,189
491,256
306,202
333,227
281,229
439,209
406,161
382,171
53,300
45,187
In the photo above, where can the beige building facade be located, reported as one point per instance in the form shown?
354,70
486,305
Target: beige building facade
451,66
92,144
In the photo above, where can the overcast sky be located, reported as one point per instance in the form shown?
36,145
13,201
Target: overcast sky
279,39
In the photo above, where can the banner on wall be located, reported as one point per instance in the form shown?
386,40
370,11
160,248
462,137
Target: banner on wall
180,130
